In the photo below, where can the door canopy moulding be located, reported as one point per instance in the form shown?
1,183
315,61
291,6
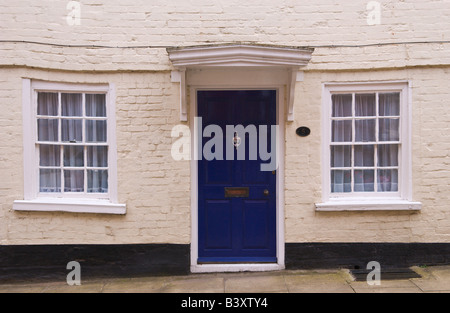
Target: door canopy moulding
239,56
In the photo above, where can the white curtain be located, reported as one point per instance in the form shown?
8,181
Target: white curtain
388,178
71,104
364,180
73,156
72,129
97,156
74,179
47,107
50,179
365,106
341,132
49,155
342,129
342,105
365,132
341,156
341,181
387,155
365,129
97,181
96,105
96,130
389,129
47,104
389,105
364,157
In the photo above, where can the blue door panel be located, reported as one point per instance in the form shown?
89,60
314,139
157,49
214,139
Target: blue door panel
218,224
256,224
236,229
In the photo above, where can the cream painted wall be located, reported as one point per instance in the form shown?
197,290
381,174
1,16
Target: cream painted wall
430,160
156,188
161,23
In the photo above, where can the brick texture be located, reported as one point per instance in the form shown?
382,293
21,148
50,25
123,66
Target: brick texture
156,188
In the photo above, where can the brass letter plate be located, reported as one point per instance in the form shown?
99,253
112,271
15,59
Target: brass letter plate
231,192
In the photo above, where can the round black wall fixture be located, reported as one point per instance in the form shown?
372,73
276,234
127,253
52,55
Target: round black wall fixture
303,131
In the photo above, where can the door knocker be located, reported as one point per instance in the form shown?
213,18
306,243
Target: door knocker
236,140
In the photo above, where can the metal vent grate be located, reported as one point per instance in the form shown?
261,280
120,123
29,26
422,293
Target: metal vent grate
386,274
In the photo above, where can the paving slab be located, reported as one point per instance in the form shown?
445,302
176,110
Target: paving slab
22,288
436,280
386,286
86,287
205,284
389,290
317,283
136,285
256,284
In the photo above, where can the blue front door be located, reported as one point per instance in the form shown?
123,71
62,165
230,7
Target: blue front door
236,198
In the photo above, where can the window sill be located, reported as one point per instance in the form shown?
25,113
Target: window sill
338,205
70,205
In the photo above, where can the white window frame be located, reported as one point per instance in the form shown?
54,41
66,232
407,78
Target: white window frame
368,201
69,202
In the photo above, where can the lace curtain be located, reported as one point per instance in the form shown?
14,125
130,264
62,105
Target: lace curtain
75,160
354,163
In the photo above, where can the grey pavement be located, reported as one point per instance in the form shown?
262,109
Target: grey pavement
433,280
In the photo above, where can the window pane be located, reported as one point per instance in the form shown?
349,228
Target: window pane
389,129
47,130
365,105
364,156
71,104
72,130
96,131
341,156
97,181
342,131
364,181
47,104
97,156
341,181
49,155
388,155
96,105
74,156
387,180
73,181
342,105
49,180
389,104
365,130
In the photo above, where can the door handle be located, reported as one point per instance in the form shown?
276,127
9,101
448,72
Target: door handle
266,192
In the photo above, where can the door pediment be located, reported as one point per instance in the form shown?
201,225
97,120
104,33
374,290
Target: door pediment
239,56
246,55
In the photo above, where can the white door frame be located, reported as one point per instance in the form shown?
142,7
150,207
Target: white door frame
238,80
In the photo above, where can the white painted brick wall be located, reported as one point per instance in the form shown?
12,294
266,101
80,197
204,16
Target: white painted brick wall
431,167
174,23
155,188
